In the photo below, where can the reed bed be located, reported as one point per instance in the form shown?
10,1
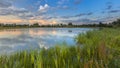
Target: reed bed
94,49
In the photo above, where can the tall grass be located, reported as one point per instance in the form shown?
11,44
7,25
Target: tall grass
95,49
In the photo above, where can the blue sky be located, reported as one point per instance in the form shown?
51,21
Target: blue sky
59,11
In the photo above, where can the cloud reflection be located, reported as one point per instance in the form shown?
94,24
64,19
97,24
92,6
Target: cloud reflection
12,40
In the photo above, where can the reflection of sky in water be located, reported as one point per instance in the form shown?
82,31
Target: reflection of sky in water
20,39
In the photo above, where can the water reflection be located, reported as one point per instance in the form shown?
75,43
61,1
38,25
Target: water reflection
12,40
9,33
69,30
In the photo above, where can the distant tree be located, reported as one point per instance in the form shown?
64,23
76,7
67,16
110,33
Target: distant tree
61,24
101,24
35,24
70,24
116,23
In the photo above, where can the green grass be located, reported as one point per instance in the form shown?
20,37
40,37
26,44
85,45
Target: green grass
95,49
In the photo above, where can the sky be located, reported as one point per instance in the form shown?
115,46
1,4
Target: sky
59,11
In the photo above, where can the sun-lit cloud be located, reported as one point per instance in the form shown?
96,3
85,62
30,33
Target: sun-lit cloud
10,19
53,22
43,8
37,21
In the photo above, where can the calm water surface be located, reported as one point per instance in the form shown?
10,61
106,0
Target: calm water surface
12,40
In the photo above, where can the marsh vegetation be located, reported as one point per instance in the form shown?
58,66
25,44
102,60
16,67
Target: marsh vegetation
94,49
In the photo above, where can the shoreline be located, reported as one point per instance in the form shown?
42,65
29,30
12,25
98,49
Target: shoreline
47,27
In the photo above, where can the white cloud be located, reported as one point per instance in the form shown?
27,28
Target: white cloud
62,1
43,8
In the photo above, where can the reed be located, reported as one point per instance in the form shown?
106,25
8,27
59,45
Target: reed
94,49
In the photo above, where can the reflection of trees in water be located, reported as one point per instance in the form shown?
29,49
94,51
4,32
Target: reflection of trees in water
10,32
70,31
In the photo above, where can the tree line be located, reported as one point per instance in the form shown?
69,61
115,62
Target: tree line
113,24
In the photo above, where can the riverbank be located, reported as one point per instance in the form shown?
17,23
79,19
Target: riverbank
96,49
46,27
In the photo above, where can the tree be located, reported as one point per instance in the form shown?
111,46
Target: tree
70,24
36,24
101,24
116,23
